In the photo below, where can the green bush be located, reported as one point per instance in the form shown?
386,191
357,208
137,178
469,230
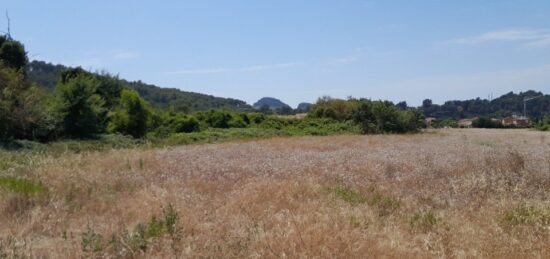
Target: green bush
486,122
336,109
215,118
132,116
544,124
384,117
451,123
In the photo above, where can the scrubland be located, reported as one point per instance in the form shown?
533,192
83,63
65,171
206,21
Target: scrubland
445,193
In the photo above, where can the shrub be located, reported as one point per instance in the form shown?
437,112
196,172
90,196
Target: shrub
336,109
256,118
273,122
215,119
486,122
132,116
186,124
384,117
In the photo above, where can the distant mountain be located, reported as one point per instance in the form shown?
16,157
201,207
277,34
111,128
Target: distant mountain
46,75
271,102
304,107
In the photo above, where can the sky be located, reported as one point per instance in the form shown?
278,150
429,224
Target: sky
299,50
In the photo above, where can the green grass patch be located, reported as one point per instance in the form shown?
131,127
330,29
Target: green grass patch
346,194
528,215
423,220
21,186
386,205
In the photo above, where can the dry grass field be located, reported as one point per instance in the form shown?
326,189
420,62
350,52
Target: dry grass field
447,193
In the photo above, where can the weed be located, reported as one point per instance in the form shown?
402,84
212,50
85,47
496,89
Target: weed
528,215
423,220
136,241
346,194
170,219
386,205
91,241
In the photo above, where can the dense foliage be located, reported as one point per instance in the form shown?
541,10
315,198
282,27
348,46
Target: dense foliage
80,106
544,124
88,105
132,116
12,53
486,122
23,112
373,116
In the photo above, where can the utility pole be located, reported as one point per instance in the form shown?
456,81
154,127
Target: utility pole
8,18
525,100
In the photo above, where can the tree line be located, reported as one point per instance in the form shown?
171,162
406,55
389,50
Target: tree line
503,106
47,75
85,105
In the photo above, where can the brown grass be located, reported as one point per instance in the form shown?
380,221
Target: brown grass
448,193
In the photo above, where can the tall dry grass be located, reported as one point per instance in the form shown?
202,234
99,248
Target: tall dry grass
448,193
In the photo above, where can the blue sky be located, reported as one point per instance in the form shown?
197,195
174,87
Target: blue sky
298,50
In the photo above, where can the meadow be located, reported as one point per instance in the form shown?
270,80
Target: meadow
452,193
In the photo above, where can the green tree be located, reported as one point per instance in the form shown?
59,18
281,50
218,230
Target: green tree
132,116
364,116
80,109
22,106
12,53
427,103
109,88
23,110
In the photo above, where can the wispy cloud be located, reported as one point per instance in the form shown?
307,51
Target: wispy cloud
341,61
529,37
229,70
126,55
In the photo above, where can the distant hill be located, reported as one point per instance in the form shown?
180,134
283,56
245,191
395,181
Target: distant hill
272,103
505,105
46,75
304,106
